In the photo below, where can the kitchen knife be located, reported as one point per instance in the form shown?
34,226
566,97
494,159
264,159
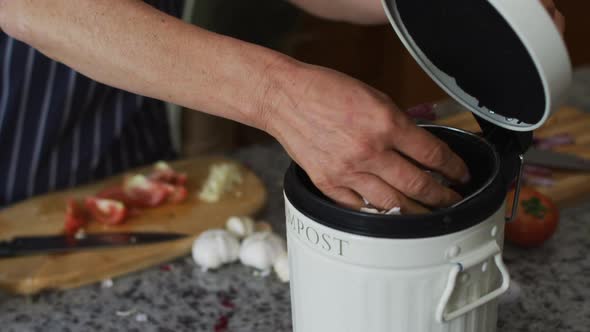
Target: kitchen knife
34,245
554,159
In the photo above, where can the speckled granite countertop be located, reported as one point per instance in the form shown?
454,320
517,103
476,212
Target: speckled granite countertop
554,281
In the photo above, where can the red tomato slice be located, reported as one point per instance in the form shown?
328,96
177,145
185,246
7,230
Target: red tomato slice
181,179
76,217
177,195
144,192
164,173
536,220
107,211
115,193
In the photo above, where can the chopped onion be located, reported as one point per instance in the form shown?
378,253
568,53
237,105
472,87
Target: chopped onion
533,170
546,143
539,181
538,176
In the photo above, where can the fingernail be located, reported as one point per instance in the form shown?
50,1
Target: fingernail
466,178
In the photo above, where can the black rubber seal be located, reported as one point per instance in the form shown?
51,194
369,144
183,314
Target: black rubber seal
484,164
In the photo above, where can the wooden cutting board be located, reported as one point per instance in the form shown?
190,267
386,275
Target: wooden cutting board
44,215
570,186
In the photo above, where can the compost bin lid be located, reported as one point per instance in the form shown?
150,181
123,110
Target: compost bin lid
504,60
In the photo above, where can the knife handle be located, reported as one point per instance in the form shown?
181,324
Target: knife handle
6,249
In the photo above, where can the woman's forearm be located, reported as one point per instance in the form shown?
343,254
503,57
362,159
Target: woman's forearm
351,139
133,46
352,11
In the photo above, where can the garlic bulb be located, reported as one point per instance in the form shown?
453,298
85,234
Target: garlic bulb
261,250
240,227
281,267
214,248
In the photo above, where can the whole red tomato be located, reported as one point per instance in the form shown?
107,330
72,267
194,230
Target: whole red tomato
536,219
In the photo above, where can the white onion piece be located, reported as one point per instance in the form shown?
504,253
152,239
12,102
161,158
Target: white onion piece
369,210
393,211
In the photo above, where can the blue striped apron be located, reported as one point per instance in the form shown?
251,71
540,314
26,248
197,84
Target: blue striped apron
59,128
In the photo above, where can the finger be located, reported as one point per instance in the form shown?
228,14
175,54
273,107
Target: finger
426,149
376,191
559,20
345,197
383,196
413,207
549,5
555,14
411,181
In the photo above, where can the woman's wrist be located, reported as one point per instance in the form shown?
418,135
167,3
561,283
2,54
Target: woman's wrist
278,87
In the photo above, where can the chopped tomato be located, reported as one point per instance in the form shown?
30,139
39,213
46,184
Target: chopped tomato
76,217
536,220
107,211
115,193
164,173
144,192
175,194
178,194
180,179
114,204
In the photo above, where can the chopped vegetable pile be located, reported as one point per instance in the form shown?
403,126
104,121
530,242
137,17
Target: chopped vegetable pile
114,205
560,139
222,178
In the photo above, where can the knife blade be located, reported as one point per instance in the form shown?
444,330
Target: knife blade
34,245
554,159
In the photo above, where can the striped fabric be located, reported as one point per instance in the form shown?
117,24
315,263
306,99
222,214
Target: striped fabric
59,128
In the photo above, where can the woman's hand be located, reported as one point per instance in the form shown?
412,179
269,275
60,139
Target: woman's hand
555,14
354,142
